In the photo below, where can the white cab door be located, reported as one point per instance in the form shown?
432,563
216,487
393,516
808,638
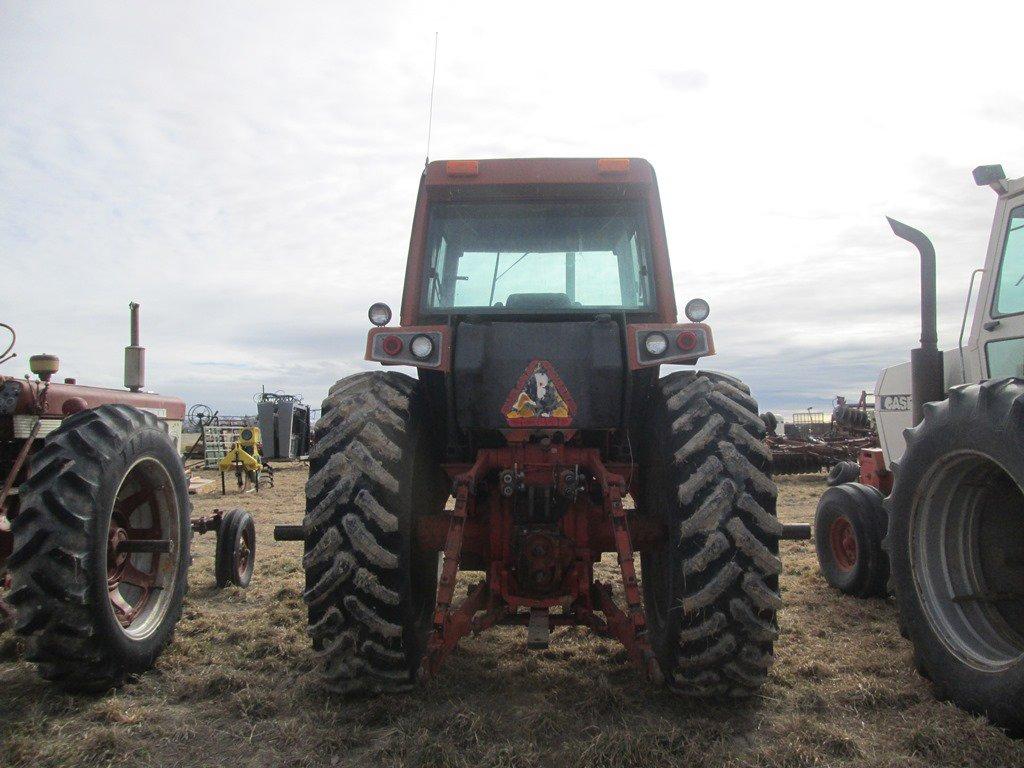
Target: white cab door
997,337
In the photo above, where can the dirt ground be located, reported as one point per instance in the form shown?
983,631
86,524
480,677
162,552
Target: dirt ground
236,688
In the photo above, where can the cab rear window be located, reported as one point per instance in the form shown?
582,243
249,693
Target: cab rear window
537,257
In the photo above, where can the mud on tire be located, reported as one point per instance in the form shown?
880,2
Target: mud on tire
712,592
369,591
95,462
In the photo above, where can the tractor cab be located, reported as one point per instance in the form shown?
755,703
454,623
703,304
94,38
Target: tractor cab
538,296
994,347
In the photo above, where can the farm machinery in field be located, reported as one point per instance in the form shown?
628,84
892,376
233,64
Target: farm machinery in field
836,449
937,513
538,310
245,459
95,522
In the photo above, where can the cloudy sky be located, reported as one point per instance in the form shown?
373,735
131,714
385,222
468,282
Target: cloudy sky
248,170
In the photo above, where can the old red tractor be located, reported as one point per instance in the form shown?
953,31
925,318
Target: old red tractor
95,522
538,311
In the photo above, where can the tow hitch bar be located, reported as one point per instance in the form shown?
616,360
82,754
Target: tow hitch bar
797,532
295,533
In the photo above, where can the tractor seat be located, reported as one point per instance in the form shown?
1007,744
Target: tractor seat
538,301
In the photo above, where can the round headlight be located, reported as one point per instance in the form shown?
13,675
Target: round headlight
656,343
380,314
421,346
697,310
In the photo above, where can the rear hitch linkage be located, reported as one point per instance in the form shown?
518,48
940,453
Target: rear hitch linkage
489,602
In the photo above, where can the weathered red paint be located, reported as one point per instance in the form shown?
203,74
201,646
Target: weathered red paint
873,471
843,542
47,400
56,400
480,534
646,532
540,179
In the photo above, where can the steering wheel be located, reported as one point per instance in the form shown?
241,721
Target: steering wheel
4,357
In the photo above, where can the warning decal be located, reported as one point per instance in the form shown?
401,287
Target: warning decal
539,399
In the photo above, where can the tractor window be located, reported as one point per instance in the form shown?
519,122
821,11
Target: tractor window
1005,358
537,257
1010,291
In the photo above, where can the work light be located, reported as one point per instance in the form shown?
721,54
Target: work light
697,310
380,314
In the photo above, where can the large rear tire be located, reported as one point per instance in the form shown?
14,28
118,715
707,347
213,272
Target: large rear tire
712,591
369,590
956,545
91,613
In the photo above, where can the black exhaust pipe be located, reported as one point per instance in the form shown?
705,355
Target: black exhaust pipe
927,384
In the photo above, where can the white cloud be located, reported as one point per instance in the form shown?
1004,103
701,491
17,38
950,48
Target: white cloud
248,170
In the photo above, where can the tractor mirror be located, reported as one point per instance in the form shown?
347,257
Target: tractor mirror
989,176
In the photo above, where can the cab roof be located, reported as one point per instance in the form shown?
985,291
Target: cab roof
532,171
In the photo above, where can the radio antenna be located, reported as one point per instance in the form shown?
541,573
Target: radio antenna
430,114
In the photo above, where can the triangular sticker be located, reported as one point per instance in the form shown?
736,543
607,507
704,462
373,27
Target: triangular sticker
539,399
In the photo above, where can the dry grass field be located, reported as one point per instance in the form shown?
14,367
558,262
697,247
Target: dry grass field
236,689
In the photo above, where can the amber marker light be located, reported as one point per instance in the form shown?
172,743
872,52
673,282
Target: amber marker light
462,167
613,165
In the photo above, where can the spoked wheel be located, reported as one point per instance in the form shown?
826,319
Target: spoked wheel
100,559
236,549
142,534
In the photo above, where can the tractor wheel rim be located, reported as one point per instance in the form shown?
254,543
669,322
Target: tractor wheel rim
140,586
966,528
243,553
843,541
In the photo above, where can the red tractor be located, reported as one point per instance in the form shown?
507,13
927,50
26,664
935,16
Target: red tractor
538,310
94,522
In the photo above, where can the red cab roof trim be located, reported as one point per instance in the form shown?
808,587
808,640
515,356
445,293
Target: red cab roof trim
541,171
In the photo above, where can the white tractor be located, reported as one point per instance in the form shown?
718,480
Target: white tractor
937,517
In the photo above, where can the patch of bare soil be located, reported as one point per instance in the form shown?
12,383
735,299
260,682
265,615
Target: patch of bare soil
237,688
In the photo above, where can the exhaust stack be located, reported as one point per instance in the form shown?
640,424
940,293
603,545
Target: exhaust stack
926,374
134,356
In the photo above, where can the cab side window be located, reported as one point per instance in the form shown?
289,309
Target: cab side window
1010,289
1005,358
